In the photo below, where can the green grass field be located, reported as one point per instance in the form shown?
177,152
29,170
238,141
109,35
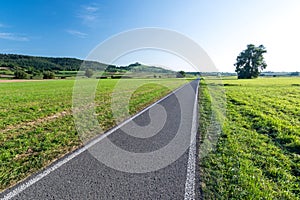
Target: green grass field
258,152
256,156
37,126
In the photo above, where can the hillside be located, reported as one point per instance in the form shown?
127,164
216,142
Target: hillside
36,66
25,62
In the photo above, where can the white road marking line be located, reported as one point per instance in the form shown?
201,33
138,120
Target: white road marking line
47,171
189,193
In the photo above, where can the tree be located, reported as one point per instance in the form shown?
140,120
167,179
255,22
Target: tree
135,64
111,68
295,74
250,62
20,74
48,75
88,73
180,74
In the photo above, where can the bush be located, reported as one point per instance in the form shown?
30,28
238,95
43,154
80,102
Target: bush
88,73
48,75
20,74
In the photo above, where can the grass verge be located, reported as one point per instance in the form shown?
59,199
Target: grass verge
257,153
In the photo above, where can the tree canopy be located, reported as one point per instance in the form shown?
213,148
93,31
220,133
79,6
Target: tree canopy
20,74
48,75
29,63
250,62
88,73
180,74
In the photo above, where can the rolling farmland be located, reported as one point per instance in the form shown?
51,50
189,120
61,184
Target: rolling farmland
258,152
36,123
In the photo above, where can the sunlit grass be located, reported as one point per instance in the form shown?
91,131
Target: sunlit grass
34,134
258,152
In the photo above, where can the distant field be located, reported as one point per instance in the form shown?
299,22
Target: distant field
36,123
258,152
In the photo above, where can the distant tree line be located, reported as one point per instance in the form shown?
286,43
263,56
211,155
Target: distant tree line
136,67
48,63
25,67
19,73
180,74
35,67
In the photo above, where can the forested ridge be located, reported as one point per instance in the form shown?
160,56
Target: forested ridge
25,62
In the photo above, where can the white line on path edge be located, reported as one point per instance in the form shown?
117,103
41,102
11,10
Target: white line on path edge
63,161
189,193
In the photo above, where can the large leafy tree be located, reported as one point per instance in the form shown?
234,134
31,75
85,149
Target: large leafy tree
250,62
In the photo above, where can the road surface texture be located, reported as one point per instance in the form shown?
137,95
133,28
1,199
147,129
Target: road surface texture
82,175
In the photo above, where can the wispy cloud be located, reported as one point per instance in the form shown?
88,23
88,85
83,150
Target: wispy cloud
13,36
89,14
91,8
77,33
3,25
9,50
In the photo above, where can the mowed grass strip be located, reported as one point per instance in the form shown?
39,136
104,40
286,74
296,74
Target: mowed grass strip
26,149
258,152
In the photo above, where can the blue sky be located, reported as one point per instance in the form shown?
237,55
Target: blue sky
72,28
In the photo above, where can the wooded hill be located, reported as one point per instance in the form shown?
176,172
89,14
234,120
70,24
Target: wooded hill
36,66
46,63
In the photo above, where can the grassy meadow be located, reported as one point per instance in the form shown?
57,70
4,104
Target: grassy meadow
37,126
257,155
